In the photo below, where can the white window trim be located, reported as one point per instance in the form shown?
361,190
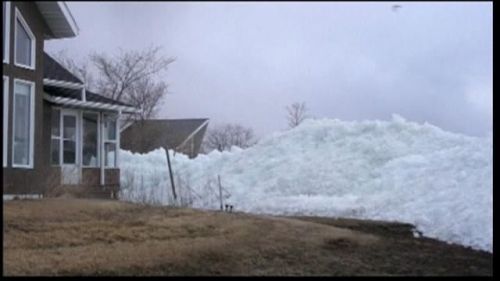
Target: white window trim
56,137
6,47
98,138
19,17
32,123
77,115
115,141
60,138
5,118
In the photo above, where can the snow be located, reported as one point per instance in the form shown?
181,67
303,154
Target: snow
394,170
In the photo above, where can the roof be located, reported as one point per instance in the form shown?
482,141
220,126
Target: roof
58,18
63,92
77,94
147,135
91,96
64,87
55,71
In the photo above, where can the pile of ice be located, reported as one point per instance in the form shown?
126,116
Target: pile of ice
390,170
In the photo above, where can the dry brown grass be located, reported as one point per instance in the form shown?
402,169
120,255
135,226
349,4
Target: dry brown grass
103,237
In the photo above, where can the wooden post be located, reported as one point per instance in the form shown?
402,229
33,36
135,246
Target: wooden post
171,176
220,193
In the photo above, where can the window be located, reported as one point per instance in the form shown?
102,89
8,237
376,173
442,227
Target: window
24,49
55,136
23,124
64,139
110,141
5,117
6,31
90,139
69,138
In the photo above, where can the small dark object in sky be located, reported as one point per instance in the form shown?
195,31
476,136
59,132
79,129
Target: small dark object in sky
396,7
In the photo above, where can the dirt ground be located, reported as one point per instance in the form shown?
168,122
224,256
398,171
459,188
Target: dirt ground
105,237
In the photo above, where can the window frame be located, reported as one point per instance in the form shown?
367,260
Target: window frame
6,93
59,138
98,162
74,113
19,16
105,140
6,26
31,158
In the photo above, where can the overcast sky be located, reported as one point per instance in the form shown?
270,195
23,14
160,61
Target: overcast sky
244,62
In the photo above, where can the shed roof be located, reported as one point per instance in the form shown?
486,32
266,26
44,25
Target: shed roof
147,135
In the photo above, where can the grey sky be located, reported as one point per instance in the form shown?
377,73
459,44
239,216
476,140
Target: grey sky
244,62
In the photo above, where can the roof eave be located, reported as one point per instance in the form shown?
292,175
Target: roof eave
59,19
89,104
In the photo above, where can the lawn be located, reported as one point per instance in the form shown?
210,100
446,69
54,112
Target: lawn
105,237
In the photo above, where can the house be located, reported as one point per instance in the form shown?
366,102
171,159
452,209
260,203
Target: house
182,135
56,134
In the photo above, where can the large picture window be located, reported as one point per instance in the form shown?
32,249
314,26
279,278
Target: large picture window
5,117
24,49
110,140
90,140
23,124
6,31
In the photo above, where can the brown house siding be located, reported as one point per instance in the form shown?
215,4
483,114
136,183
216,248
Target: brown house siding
18,180
43,178
91,176
112,177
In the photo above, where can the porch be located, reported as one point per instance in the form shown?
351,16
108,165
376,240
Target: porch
84,151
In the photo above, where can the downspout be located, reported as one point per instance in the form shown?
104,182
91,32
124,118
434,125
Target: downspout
118,138
117,152
101,145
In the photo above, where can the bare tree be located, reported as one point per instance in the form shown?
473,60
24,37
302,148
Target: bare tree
147,95
119,73
296,113
223,137
81,69
133,77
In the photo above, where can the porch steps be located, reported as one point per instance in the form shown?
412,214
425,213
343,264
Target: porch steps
77,191
98,192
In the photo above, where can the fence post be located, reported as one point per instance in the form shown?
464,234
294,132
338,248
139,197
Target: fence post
220,192
171,177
